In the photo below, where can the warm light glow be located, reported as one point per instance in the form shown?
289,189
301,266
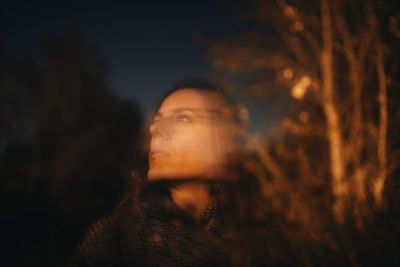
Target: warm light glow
300,88
290,12
304,116
288,73
298,26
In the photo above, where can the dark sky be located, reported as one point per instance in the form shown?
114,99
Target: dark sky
148,44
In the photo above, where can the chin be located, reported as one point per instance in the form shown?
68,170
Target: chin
158,175
155,174
170,174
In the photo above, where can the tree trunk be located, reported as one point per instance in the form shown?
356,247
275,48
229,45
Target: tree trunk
379,183
334,133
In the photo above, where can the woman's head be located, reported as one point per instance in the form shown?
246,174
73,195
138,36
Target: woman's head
194,133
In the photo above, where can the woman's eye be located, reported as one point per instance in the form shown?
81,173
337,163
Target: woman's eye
183,118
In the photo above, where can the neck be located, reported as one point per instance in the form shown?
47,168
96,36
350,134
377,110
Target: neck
191,197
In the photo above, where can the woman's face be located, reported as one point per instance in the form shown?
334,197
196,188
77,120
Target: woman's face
191,136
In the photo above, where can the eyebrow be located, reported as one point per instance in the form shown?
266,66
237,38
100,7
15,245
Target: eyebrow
193,110
174,111
158,114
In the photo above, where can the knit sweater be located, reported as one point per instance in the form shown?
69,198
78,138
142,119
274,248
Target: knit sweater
159,234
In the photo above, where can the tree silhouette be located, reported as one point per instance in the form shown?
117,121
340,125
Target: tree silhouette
68,145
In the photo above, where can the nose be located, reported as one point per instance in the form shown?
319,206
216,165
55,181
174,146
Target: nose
155,130
160,129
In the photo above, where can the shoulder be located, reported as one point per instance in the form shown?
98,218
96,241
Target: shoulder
100,245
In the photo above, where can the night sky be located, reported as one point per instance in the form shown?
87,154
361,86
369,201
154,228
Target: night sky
148,44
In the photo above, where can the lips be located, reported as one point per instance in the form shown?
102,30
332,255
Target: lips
158,154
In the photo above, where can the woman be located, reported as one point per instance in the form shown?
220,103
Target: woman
197,205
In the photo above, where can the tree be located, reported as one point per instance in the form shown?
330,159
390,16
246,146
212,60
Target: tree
68,145
339,62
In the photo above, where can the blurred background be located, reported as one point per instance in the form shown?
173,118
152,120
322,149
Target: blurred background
318,85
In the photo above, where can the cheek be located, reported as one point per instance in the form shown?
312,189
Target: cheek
195,142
